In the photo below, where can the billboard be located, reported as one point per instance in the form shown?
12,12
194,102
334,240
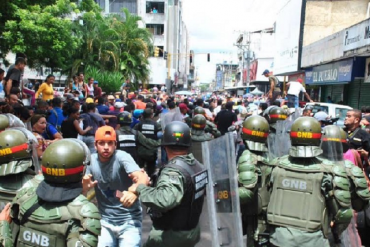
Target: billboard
287,37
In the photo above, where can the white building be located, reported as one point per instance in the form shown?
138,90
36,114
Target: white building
163,18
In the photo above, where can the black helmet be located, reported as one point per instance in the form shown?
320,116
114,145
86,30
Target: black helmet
332,142
256,129
305,131
176,134
63,161
275,114
124,118
14,145
198,122
199,110
4,122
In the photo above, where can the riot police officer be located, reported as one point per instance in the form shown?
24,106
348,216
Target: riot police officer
198,135
55,213
177,197
18,162
334,144
126,137
307,194
254,170
210,127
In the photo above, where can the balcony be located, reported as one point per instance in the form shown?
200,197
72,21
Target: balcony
158,40
154,18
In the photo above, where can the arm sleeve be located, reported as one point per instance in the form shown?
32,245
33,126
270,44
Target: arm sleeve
15,75
127,162
167,194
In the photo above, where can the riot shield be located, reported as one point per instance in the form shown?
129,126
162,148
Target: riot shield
196,150
282,140
222,195
272,146
172,115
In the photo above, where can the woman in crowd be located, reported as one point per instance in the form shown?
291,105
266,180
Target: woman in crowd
78,86
71,126
46,89
38,124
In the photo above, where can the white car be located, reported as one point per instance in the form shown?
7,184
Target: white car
333,110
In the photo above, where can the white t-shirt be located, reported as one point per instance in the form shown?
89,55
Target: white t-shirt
295,88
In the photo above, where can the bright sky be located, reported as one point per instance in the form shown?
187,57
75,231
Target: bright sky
214,25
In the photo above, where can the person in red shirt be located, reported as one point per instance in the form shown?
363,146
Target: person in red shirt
97,90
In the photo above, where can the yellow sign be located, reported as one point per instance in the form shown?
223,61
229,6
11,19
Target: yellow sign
223,194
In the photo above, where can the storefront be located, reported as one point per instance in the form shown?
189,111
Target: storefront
342,81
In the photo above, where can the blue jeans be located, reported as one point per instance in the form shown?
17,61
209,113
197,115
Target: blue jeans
128,234
293,101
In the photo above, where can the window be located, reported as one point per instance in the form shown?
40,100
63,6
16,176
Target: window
155,7
341,113
155,29
317,108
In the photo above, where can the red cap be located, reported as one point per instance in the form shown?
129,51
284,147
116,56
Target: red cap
299,80
183,106
105,133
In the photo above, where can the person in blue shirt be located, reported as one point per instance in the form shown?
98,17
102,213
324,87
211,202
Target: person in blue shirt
155,11
102,108
56,116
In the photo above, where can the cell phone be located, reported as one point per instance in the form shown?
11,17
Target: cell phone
119,194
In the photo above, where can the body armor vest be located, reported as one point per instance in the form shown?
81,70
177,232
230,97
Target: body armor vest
14,176
149,129
185,216
297,200
52,227
126,141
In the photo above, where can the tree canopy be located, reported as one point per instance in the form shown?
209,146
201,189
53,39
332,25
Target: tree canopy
65,35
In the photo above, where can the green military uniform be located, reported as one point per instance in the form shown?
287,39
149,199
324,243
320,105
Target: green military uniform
209,128
254,171
176,199
54,213
16,163
198,135
307,193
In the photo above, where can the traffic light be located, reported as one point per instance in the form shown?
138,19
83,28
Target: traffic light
165,55
208,57
191,58
156,51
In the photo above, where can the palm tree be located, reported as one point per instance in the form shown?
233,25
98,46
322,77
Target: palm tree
135,43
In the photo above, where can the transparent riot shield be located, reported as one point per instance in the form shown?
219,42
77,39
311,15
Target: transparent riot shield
282,140
222,192
273,147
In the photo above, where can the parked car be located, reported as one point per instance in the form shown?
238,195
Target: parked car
333,110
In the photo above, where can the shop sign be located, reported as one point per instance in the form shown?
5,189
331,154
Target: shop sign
340,71
357,36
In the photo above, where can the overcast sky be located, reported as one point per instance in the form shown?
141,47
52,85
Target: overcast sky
214,25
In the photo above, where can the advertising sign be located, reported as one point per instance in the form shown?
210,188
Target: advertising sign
357,36
219,75
287,35
338,72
